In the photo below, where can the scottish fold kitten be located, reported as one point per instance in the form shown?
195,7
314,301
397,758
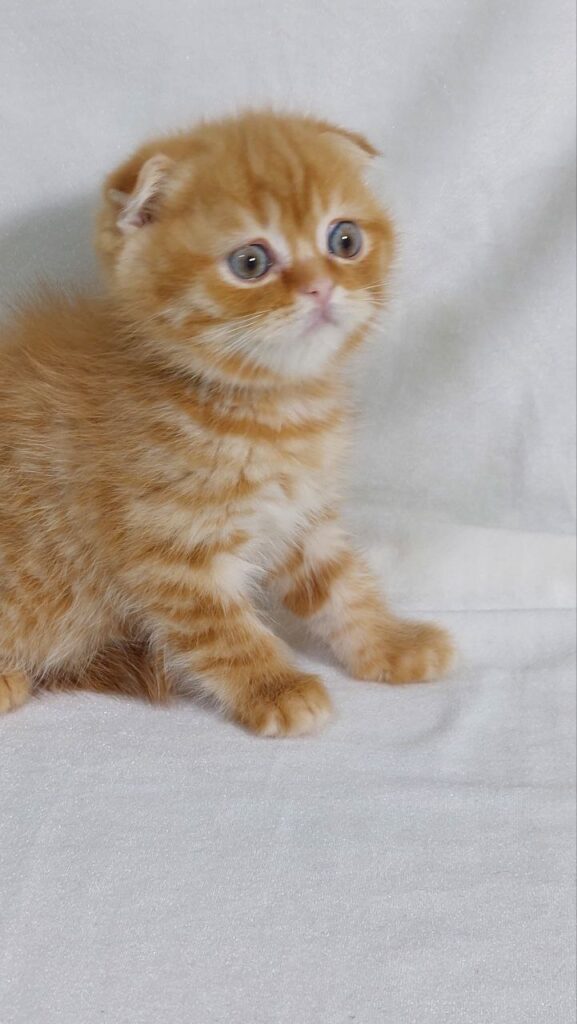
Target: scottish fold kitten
170,448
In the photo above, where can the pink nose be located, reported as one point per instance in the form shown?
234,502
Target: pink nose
321,291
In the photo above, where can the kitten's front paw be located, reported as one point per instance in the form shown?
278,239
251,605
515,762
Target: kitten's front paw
413,652
301,706
14,690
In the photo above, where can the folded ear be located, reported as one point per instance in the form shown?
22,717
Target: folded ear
354,144
139,207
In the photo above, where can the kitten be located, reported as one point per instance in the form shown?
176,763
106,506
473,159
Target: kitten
169,448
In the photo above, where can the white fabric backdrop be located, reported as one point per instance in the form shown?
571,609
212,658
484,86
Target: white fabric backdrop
416,862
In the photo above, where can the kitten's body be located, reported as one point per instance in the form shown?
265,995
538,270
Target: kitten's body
150,480
112,466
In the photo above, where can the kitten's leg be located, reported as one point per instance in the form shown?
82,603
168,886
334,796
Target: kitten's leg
219,640
129,668
14,690
327,584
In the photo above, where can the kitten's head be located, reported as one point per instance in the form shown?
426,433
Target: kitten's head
250,248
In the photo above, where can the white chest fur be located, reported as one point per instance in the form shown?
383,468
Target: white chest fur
278,519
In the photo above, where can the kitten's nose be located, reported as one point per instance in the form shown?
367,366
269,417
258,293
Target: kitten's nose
320,290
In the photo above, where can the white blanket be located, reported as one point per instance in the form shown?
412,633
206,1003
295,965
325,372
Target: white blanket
415,864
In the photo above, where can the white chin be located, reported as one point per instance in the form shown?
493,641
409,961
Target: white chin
305,355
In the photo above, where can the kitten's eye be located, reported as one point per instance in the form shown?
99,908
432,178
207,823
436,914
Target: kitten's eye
251,262
345,240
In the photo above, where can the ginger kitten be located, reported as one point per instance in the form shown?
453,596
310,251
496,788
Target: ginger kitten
168,449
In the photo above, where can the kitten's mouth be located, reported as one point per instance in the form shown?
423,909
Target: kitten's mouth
320,318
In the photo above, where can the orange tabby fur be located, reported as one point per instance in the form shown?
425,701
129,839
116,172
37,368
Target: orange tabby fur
168,448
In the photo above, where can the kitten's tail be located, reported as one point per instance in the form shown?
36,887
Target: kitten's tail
130,668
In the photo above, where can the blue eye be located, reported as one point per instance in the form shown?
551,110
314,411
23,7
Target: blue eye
345,240
251,262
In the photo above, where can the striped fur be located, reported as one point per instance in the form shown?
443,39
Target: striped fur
168,449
